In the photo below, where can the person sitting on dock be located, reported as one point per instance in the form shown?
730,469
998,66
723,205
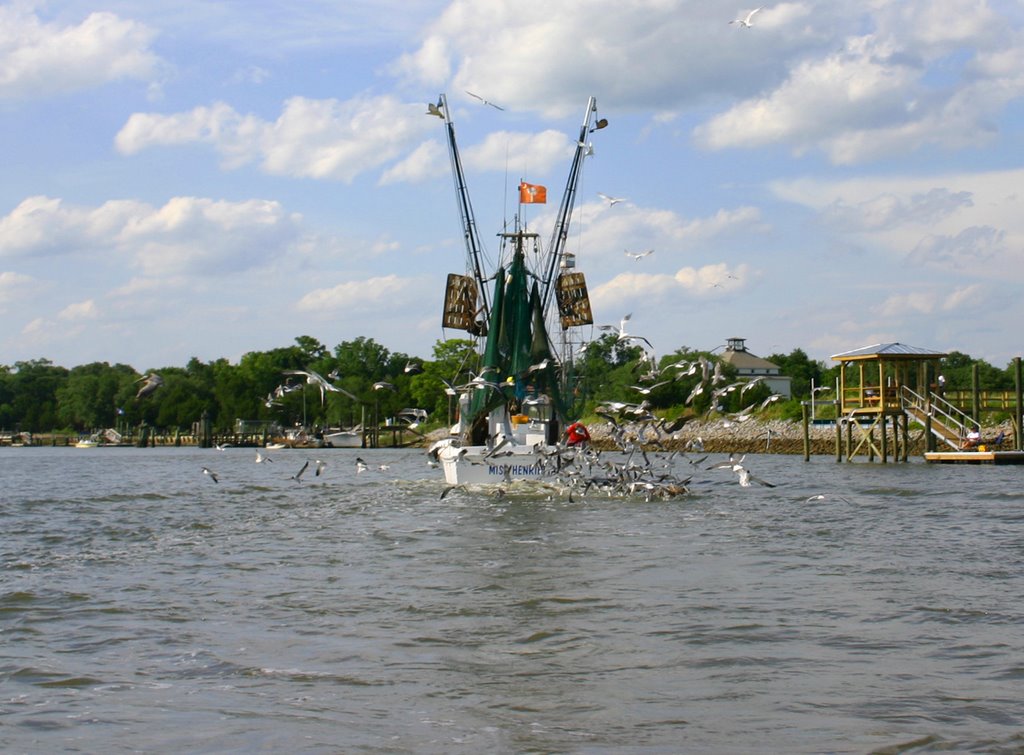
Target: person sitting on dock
973,438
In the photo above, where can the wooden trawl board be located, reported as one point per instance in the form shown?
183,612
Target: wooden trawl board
573,300
459,303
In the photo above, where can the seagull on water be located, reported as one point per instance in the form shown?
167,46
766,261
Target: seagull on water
745,22
486,102
152,382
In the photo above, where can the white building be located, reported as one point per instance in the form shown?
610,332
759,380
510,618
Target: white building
750,366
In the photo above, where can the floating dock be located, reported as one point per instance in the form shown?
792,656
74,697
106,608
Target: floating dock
974,457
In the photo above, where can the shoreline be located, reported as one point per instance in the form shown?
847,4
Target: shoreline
774,436
718,435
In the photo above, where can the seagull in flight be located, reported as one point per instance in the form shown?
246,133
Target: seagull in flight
621,334
746,21
639,255
315,378
486,102
211,474
612,201
298,475
433,109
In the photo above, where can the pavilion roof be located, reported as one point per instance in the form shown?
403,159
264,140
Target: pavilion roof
893,350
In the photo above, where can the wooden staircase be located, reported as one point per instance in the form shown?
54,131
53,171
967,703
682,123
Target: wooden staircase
948,423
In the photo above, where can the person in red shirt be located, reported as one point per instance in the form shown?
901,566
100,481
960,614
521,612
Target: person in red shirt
578,434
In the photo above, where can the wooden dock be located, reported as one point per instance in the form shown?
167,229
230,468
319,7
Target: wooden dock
974,457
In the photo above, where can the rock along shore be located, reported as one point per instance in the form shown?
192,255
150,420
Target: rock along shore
725,436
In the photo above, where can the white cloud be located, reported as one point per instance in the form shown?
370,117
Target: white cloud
906,84
430,64
932,301
659,54
964,298
15,287
845,92
965,250
535,153
952,221
423,163
652,288
890,210
187,234
327,139
38,59
609,231
388,292
83,310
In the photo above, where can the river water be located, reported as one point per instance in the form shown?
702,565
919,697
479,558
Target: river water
146,608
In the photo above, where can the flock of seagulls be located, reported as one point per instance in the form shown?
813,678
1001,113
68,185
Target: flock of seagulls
319,467
640,465
641,462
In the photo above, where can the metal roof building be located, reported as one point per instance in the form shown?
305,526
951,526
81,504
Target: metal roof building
750,365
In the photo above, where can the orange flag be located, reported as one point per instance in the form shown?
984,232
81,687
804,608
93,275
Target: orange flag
532,193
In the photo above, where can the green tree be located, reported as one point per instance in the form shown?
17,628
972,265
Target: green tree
34,386
88,398
801,369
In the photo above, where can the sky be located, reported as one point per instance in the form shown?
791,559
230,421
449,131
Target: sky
205,178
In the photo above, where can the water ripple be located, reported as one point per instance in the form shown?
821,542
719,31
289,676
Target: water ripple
142,604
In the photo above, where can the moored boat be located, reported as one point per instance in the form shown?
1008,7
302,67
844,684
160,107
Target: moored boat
343,438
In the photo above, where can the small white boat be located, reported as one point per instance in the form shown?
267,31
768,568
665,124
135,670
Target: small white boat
87,442
343,438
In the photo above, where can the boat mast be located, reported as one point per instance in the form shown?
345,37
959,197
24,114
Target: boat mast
561,230
469,230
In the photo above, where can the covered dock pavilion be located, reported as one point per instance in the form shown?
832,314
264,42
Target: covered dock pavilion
881,384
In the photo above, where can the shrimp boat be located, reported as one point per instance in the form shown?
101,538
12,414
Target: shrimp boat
513,410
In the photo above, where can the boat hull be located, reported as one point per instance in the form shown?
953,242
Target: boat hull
344,439
478,465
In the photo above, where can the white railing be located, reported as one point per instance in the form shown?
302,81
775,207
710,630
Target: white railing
944,415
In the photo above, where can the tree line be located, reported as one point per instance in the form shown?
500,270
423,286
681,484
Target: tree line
39,396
